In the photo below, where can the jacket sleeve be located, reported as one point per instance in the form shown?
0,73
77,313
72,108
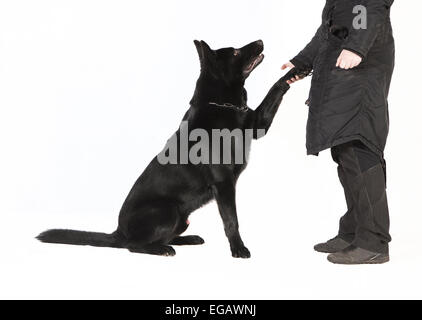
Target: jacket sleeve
360,41
305,58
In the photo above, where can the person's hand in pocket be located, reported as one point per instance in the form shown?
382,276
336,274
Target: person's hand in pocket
348,60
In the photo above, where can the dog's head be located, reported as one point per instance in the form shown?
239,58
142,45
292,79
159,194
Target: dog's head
229,64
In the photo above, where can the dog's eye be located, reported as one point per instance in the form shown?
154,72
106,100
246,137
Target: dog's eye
236,52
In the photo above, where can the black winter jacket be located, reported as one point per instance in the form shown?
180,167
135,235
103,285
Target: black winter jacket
346,105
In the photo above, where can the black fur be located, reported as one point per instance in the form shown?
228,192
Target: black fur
157,208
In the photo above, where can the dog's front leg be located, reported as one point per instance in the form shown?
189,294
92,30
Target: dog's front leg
225,195
265,113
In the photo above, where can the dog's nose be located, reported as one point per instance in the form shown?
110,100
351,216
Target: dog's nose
260,43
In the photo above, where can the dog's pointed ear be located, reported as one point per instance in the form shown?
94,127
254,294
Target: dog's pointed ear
205,53
206,47
198,46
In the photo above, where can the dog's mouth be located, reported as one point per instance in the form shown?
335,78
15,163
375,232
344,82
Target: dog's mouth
255,63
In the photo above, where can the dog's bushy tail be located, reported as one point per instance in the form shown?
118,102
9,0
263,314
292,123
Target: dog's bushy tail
81,238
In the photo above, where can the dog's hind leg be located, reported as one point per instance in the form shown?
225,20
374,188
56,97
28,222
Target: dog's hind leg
151,228
182,226
187,241
153,249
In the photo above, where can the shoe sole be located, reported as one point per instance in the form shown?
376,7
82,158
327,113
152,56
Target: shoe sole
379,260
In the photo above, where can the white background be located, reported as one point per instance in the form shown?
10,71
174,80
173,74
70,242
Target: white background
90,91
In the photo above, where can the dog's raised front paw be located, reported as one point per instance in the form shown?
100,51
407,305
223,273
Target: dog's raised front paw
241,252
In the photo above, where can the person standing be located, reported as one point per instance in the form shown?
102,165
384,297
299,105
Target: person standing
352,57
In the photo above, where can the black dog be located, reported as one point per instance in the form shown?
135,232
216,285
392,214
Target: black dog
156,210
